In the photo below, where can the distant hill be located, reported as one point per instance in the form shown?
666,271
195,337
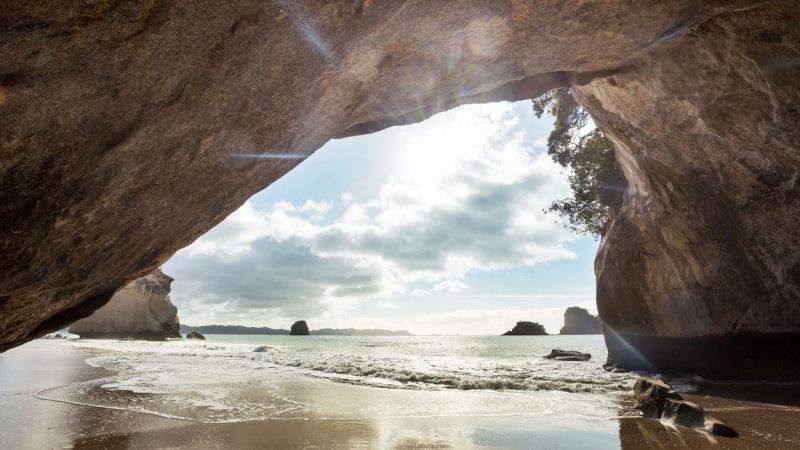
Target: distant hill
356,332
239,329
231,329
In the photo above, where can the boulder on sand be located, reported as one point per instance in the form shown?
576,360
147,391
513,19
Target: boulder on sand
658,400
651,394
683,413
568,355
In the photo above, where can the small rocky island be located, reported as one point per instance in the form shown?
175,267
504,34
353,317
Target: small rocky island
577,320
524,328
140,310
299,328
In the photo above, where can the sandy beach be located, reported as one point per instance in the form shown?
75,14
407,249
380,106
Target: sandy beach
32,423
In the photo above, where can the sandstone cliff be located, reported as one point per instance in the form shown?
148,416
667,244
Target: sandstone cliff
700,270
578,321
141,309
114,108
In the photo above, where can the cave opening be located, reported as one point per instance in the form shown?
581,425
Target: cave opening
437,227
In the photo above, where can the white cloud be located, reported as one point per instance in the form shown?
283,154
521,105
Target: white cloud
467,197
318,209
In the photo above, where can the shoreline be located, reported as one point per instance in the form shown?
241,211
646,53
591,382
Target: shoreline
754,411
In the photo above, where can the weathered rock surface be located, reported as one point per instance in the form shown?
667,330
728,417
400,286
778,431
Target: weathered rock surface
577,320
113,108
683,413
195,335
657,399
299,328
142,309
567,355
700,269
718,428
651,394
524,328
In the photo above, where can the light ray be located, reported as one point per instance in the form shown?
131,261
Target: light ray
643,362
308,30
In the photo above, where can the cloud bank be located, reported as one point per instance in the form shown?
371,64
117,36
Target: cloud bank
468,196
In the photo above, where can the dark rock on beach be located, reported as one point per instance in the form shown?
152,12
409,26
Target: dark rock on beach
718,428
683,413
657,399
612,367
568,355
526,329
195,335
299,328
651,394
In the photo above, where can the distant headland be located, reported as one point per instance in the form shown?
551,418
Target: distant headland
239,329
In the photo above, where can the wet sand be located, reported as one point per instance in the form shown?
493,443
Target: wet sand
765,417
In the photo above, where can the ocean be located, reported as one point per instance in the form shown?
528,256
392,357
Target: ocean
355,392
245,378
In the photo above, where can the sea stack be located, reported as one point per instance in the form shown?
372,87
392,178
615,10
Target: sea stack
142,309
299,328
195,335
526,329
578,321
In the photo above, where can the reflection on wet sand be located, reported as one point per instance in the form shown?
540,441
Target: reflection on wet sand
262,434
386,418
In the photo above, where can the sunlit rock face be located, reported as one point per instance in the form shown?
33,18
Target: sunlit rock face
700,270
131,128
142,309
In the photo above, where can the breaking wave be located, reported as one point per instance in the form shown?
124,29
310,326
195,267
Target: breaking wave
217,382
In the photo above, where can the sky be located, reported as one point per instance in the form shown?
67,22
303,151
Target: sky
435,228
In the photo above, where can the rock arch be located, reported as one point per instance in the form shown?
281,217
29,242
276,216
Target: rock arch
122,122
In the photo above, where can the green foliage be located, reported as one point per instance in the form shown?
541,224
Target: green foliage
595,178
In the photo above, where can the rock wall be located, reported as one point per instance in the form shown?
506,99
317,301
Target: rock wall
577,320
141,309
112,109
700,270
